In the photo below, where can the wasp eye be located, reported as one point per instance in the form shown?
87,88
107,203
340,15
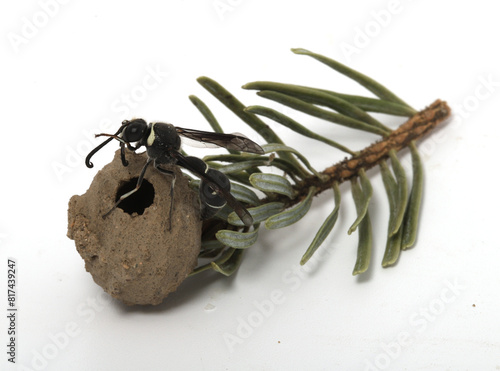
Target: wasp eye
135,130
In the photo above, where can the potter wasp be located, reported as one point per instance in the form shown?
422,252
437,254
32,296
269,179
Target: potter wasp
163,142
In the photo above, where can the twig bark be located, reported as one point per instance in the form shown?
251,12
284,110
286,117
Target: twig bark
413,129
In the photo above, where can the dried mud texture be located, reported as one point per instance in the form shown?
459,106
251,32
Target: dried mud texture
133,257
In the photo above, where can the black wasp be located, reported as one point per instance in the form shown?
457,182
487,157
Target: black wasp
163,142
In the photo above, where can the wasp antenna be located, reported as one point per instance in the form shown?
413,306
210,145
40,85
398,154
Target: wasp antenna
113,136
93,152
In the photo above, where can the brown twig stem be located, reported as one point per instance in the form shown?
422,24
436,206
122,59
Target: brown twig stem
413,129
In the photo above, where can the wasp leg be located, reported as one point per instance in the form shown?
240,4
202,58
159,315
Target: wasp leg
122,154
172,185
124,196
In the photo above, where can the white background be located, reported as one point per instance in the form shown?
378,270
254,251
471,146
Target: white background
70,71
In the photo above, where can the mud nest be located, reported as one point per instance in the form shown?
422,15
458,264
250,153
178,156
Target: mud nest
131,253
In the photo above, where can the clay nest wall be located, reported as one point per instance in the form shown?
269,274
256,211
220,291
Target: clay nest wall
131,253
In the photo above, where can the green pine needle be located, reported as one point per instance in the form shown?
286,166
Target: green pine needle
278,190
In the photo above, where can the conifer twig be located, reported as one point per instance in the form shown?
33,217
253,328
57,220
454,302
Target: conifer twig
413,129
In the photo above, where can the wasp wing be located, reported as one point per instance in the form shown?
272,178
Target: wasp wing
237,142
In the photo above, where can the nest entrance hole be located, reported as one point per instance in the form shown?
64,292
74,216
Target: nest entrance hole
138,201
